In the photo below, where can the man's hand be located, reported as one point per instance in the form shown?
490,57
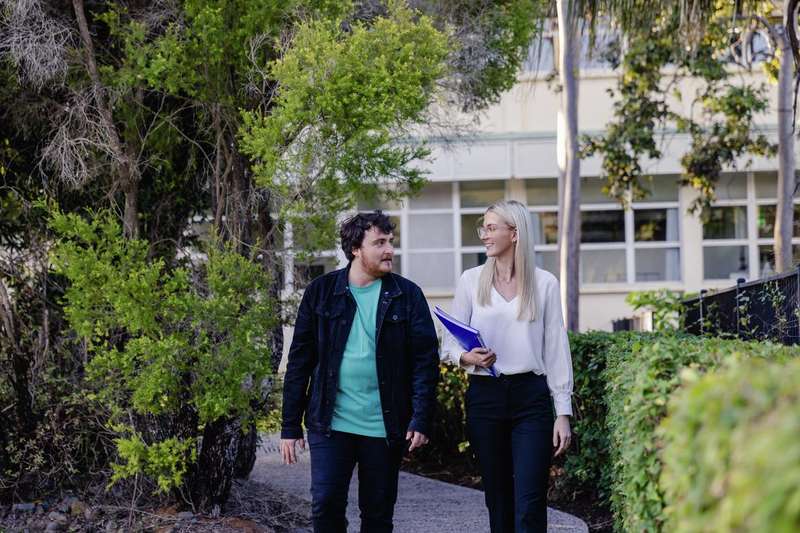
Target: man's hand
562,434
288,450
481,357
418,440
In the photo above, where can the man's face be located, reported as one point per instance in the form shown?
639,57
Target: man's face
376,252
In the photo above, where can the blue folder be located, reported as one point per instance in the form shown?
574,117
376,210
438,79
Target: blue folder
467,336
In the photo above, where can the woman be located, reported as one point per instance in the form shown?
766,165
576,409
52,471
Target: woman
517,309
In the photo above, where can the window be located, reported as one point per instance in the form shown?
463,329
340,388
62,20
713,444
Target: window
729,222
603,226
726,239
306,272
481,193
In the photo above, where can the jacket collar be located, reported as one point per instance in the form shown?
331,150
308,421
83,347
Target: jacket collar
389,285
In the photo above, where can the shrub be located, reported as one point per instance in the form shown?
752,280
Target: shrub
586,467
731,450
638,386
448,443
179,357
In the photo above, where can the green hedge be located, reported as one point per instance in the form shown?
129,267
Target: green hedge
623,383
586,465
732,451
639,383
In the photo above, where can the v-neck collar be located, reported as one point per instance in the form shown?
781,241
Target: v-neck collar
503,298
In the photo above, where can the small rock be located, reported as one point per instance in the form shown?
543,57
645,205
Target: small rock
54,526
23,507
77,508
59,517
89,513
185,515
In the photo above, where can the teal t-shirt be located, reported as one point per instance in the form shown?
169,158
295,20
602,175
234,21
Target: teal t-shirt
357,408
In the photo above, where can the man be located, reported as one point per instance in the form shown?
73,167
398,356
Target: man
362,368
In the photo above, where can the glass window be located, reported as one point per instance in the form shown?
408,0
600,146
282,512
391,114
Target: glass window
305,273
431,270
655,224
725,262
663,188
548,261
542,191
728,222
540,56
658,264
766,259
481,193
469,233
592,191
732,186
766,184
472,260
603,266
766,221
397,263
603,226
397,230
545,227
430,231
433,196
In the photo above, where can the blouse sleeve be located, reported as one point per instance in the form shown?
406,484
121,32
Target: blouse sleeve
556,354
462,310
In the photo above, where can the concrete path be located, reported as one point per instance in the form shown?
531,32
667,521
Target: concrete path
423,505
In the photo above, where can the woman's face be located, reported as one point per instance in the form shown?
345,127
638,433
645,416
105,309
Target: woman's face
497,236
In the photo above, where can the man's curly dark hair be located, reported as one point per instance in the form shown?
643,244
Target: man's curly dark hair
353,230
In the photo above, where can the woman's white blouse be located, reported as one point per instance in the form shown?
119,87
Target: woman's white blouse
540,346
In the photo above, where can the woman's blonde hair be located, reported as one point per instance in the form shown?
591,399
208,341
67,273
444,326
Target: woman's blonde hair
518,217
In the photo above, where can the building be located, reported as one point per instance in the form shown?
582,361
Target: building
655,244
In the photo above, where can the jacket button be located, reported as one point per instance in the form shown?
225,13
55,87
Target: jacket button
394,317
386,411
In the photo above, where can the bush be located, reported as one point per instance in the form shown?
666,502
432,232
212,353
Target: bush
448,443
586,468
731,450
179,357
638,386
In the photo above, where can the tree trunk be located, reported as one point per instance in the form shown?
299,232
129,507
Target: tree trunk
128,178
569,164
216,465
784,215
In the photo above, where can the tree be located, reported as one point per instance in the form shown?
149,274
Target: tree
569,233
268,113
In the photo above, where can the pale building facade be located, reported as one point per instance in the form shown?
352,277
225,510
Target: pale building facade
652,245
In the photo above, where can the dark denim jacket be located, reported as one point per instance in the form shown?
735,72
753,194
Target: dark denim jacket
406,355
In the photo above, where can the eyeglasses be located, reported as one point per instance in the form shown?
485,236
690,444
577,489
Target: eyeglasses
485,231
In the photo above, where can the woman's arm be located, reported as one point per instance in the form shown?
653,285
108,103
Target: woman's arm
555,352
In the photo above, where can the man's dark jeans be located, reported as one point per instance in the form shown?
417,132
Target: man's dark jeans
332,461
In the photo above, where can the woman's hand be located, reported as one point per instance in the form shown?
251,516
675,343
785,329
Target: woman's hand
482,357
562,434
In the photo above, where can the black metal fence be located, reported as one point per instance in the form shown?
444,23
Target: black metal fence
766,309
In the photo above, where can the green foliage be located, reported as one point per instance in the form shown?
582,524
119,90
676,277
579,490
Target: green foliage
721,121
344,102
165,461
638,386
731,453
586,467
449,442
666,306
168,343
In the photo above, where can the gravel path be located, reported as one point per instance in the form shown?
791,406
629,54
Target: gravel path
423,505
